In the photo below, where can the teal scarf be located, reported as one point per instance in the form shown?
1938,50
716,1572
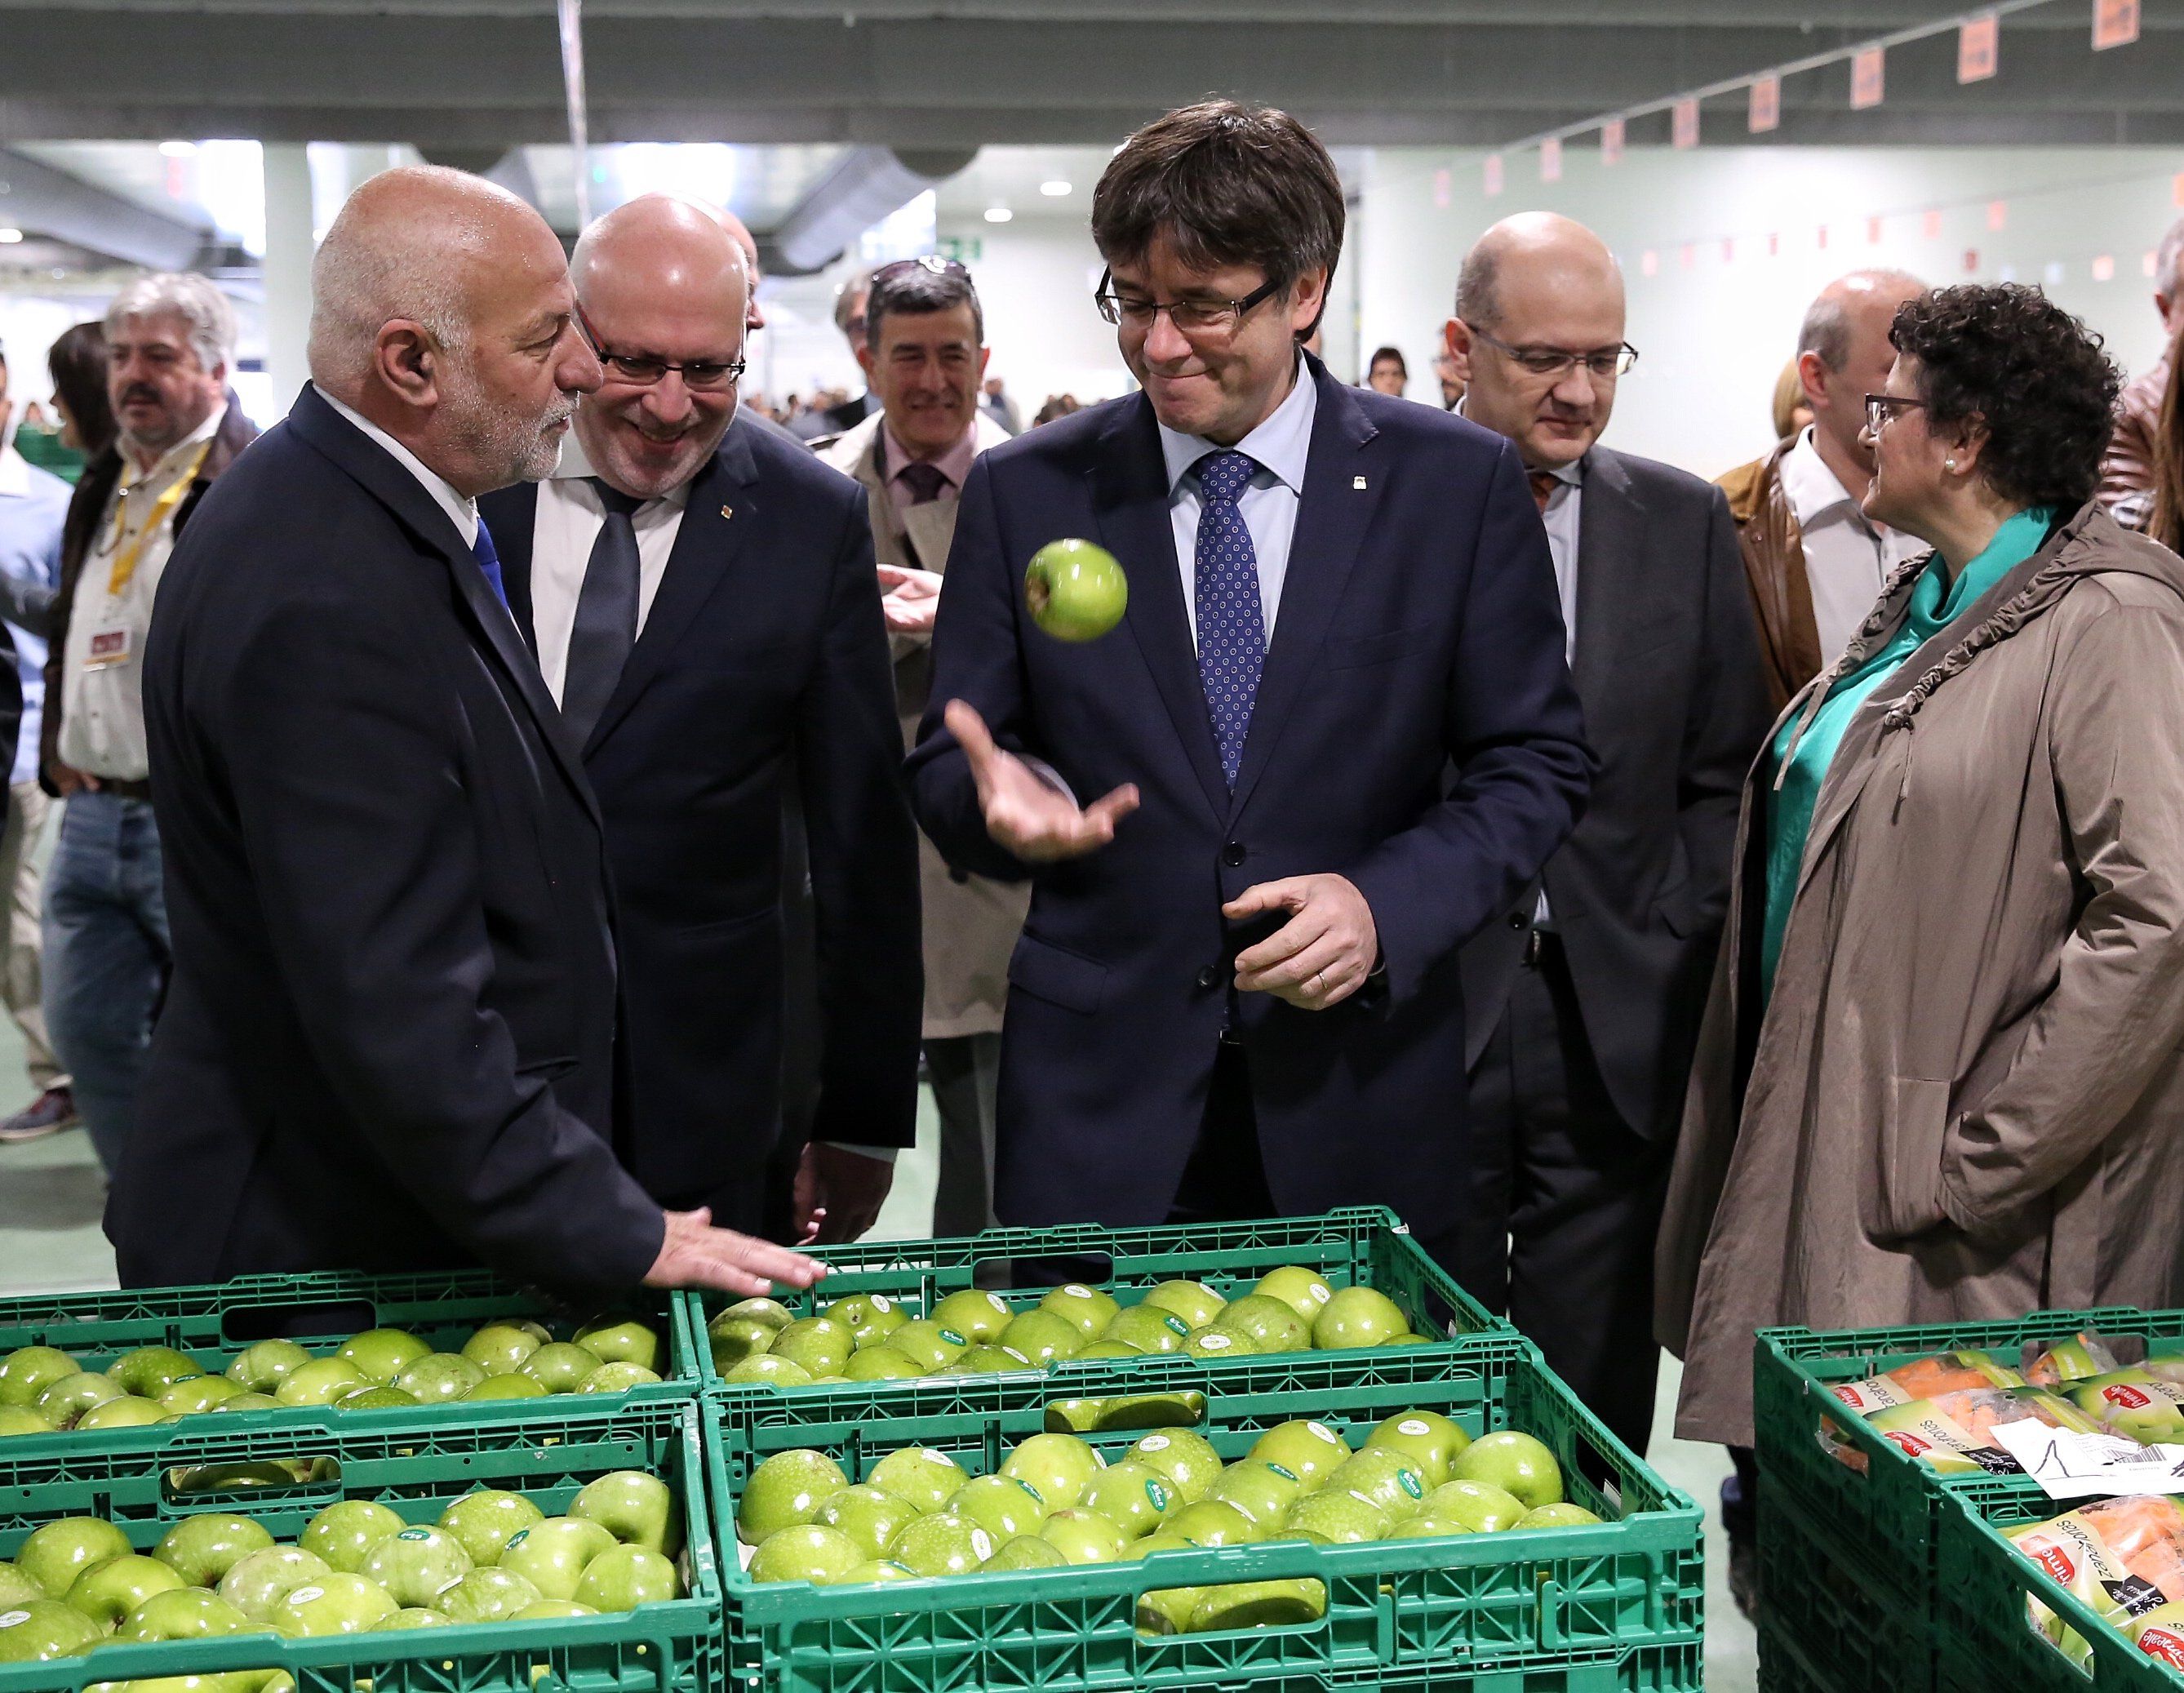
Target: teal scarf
1790,806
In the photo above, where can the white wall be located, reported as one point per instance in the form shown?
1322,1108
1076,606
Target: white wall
1035,277
1713,337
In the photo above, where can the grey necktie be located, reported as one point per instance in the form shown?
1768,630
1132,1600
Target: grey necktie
606,616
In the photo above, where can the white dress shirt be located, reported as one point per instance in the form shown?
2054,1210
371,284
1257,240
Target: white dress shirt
1268,504
461,509
1848,556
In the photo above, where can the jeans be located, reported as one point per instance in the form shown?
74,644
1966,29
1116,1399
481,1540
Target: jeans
106,958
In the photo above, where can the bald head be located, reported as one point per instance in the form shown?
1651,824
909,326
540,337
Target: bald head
1843,354
1852,305
1530,252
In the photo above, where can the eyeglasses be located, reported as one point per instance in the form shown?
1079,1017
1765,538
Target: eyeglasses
1189,317
700,376
931,263
1604,364
1880,408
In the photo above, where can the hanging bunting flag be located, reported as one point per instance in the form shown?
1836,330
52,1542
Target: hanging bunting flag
1689,256
1729,249
1493,175
1684,123
2104,268
1774,245
1610,141
2176,188
1869,76
1824,237
1441,189
1873,231
1649,263
1551,159
1930,225
1997,214
1979,47
2115,23
1971,261
1764,111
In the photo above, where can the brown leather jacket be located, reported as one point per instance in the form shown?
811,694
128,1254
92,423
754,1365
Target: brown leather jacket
2127,467
1774,571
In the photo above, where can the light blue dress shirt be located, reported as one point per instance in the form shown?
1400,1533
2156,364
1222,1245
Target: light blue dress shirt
33,503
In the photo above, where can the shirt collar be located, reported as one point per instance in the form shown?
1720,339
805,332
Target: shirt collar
954,464
1281,444
575,466
181,453
1813,490
462,512
14,474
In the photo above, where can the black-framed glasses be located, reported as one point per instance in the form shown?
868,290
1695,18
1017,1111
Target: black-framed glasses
1603,364
699,375
1189,317
1880,408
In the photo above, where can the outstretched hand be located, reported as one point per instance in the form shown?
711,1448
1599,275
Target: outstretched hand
696,1254
1031,817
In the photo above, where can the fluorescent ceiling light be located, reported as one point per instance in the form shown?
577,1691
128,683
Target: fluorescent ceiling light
177,149
998,213
1054,190
8,238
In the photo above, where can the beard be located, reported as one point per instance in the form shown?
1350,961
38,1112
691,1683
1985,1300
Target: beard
510,442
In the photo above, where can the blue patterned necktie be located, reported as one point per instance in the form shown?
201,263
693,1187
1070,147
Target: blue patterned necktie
488,561
1232,632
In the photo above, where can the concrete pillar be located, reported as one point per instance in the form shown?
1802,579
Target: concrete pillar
288,249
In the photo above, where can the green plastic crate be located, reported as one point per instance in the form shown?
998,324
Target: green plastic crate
1842,1635
1783,1669
213,1324
1484,1611
1359,1245
417,1465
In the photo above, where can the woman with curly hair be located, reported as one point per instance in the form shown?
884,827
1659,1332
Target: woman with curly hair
1941,1075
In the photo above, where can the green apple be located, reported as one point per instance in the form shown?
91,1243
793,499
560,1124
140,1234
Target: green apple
1262,1492
500,1348
258,1581
22,1419
786,1491
731,1342
347,1530
880,1363
150,1370
1433,1440
45,1628
1136,1499
416,1564
1162,1540
1357,1317
1218,1343
418,1616
487,1595
320,1382
553,1611
1423,1527
766,1369
1108,1347
870,1516
869,1317
505,1386
813,1553
196,1393
552,1555
638,1510
1557,1516
1004,1506
1182,1408
245,1400
617,1378
1167,1610
771,1312
439,1376
1515,1462
1343,1518
1195,1303
927,1345
110,1590
1478,1506
1259,1605
1149,1328
1303,1291
1214,1522
29,1370
974,1313
985,1361
1309,1450
1088,1309
819,1343
1058,1467
941,1545
54,1554
337,1603
1183,1457
920,1476
623,1577
1393,1480
182,1613
203,1548
16,1589
876,1569
1041,1336
378,1397
1025,1552
486,1521
127,1412
560,1364
262,1367
1085,1537
1075,589
1269,1324
63,1403
622,1340
382,1354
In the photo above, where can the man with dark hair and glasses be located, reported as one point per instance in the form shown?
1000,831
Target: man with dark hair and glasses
1334,734
1583,997
700,600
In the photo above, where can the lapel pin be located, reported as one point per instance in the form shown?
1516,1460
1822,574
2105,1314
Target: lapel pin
727,510
1357,481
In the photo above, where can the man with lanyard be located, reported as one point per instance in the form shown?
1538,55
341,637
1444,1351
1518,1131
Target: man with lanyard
168,341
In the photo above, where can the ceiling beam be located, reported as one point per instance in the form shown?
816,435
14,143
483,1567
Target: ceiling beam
39,200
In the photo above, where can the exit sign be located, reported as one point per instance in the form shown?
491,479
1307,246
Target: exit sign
964,249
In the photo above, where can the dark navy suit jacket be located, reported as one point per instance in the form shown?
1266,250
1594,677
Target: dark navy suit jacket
1415,730
763,662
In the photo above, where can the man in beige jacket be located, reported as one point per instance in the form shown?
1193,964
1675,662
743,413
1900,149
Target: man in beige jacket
924,355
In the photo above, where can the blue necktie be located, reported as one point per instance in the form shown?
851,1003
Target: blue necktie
488,561
1232,632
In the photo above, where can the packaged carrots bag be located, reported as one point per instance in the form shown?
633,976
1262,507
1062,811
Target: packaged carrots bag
1924,1377
2159,1633
1950,1435
2135,1403
2124,1557
2078,1359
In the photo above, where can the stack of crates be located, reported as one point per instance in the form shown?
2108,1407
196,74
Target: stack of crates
1894,1576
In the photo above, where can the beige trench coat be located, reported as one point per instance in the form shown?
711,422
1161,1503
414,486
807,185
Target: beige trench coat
971,923
1965,1097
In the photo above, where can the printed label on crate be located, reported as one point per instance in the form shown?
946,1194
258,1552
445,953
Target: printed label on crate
2071,1465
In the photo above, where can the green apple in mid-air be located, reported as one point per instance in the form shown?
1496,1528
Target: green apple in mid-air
109,1591
417,1565
29,1370
1002,1505
1479,1507
812,1553
869,1317
320,1382
45,1628
1183,1457
927,1345
337,1603
150,1370
870,1516
1309,1450
1212,1522
346,1530
1149,1328
439,1376
203,1548
194,1395
487,1520
1136,1499
1394,1481
1262,1492
500,1348
1085,1537
1342,1518
637,1509
552,1555
1088,1309
182,1613
1058,1467
942,1545
1269,1324
1040,1336
1075,589
487,1595
765,1368
1196,1304
259,1580
786,1491
382,1354
819,1343
560,1364
922,1476
1356,1317
1303,1291
1518,1464
623,1577
973,1313
262,1367
127,1412
63,1403
1433,1440
1557,1516
54,1554
621,1339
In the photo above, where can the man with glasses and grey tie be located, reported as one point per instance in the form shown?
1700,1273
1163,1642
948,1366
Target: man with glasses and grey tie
702,603
1334,734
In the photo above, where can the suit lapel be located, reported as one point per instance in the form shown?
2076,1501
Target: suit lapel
1611,529
1129,503
1332,517
512,516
